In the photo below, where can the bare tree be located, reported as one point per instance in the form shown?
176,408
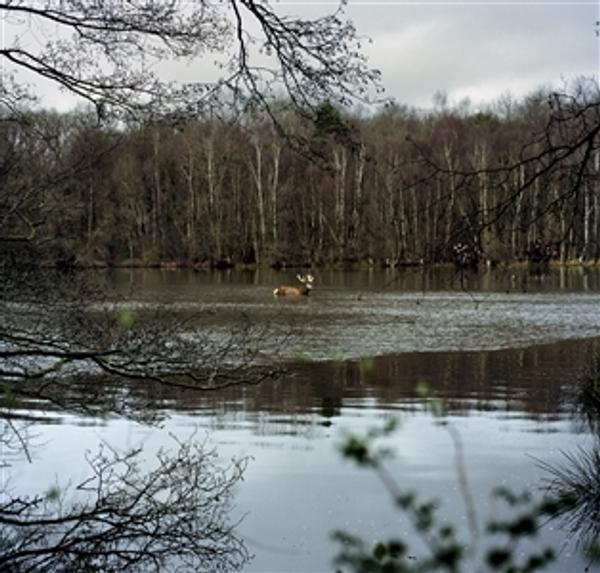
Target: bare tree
122,518
57,333
65,344
551,177
104,52
67,326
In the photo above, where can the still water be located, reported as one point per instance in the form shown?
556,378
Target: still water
502,351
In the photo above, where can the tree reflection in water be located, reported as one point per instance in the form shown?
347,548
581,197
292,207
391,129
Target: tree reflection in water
66,348
571,496
123,517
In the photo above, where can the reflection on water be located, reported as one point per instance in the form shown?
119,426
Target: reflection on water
179,283
352,315
536,383
511,406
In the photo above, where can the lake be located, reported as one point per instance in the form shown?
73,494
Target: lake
501,350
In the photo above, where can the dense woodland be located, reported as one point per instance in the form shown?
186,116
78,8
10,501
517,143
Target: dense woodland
518,180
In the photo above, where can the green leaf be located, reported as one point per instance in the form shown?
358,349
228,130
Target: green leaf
357,449
126,319
53,494
498,556
380,551
422,390
592,550
367,365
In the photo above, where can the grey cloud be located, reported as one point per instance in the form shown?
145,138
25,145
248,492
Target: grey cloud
477,51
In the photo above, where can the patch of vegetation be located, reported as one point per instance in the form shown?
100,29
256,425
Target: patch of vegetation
572,495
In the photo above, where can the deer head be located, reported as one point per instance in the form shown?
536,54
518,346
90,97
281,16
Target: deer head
307,285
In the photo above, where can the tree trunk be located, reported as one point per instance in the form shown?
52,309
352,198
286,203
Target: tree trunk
358,198
516,225
214,199
257,175
188,173
340,163
90,213
415,213
274,193
157,191
452,197
586,224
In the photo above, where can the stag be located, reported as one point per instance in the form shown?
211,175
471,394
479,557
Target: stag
304,289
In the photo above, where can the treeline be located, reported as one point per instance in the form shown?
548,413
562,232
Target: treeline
396,187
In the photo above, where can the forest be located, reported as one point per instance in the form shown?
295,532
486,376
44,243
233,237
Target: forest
106,388
515,181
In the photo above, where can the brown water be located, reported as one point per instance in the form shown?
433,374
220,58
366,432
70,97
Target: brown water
502,353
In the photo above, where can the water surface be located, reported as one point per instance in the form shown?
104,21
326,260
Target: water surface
501,352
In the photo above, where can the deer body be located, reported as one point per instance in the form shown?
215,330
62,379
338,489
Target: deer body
304,289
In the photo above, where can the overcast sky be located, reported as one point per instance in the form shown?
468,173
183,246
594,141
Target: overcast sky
478,49
475,49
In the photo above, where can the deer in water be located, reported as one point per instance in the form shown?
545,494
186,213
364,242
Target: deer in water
307,284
